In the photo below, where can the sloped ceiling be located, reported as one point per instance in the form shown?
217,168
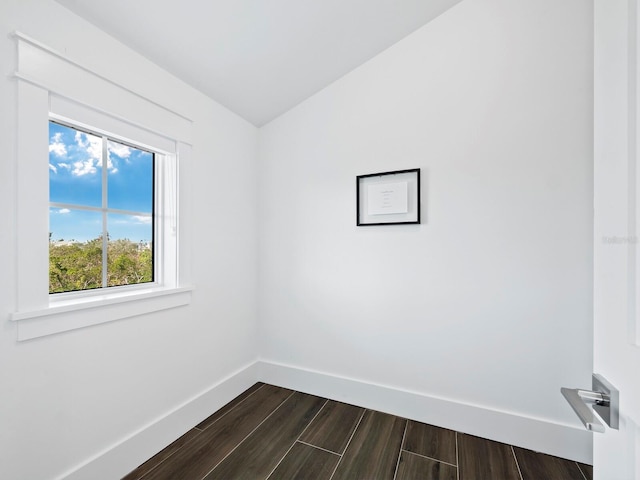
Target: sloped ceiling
259,58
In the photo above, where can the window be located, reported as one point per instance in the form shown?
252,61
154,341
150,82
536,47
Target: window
101,222
128,188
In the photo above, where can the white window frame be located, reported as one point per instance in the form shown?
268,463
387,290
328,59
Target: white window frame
159,165
52,87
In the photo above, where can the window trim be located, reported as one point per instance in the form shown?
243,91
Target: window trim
62,318
49,86
95,301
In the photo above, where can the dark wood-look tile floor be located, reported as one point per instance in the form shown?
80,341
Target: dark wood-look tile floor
274,433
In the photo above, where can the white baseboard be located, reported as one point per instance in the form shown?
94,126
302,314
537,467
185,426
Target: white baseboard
531,433
120,459
534,434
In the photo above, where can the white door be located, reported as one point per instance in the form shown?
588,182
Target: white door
617,223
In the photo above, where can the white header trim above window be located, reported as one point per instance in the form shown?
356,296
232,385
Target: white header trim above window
76,113
47,68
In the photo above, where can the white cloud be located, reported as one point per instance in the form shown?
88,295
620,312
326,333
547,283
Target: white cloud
143,219
110,167
90,143
134,220
62,211
120,150
64,165
53,168
92,146
56,146
84,168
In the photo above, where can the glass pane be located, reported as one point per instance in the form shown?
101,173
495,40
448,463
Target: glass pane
130,252
130,178
75,166
75,250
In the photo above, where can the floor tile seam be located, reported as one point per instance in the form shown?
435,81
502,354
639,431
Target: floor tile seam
429,458
457,457
326,401
404,435
319,448
297,438
201,430
249,434
517,463
325,449
146,475
232,408
354,425
580,470
348,443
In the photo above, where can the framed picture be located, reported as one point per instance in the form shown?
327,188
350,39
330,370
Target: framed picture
388,198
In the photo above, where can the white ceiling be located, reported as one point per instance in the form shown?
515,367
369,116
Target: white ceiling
259,58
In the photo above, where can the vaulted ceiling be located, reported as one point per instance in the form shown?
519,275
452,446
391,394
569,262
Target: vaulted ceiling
259,58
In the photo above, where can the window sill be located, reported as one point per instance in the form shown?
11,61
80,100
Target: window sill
62,316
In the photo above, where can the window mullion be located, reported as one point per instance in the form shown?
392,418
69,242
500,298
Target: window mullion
105,232
89,208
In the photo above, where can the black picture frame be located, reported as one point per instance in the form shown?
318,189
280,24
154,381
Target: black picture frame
388,198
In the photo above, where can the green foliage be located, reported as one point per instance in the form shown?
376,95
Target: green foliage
78,266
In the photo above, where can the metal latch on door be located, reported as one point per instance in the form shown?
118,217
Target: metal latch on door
604,398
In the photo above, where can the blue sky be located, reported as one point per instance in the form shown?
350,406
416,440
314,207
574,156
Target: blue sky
75,177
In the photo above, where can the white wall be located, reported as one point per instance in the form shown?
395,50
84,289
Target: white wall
488,303
69,397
